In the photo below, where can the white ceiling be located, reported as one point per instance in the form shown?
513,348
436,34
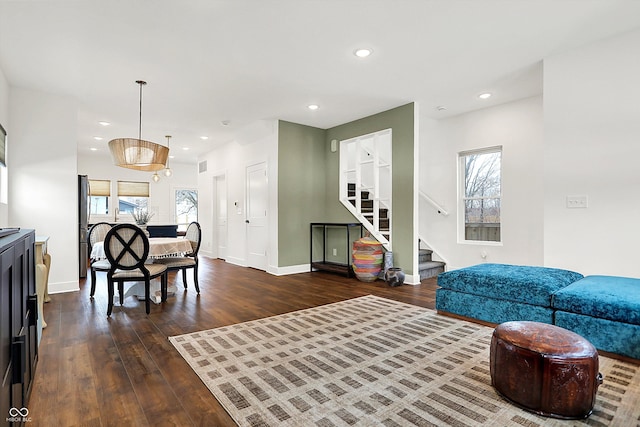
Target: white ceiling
209,61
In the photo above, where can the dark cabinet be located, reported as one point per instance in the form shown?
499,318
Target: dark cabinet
18,323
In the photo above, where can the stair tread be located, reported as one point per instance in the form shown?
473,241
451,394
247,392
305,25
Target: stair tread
430,264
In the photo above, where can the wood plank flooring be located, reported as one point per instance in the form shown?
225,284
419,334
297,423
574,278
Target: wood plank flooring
122,371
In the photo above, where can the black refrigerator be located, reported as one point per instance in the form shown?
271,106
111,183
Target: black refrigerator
83,222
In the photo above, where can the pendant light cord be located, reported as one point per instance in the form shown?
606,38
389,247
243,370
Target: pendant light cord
141,83
168,148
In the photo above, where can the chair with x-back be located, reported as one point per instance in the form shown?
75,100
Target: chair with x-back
127,248
190,260
97,233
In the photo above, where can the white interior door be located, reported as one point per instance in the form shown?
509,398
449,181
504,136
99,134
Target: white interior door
256,216
221,215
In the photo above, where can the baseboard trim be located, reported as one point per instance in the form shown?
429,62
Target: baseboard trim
412,279
236,261
290,269
61,287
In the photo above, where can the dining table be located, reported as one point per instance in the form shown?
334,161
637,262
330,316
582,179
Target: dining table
159,247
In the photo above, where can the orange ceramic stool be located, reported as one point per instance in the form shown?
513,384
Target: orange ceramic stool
545,369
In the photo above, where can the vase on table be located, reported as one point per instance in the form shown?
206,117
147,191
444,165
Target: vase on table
394,276
143,227
367,259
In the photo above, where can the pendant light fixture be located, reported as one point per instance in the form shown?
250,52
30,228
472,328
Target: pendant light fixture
139,154
167,171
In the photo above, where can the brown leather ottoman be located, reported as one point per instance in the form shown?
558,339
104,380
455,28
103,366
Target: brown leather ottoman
545,369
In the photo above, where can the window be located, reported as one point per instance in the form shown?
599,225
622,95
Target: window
99,193
3,142
4,181
186,207
4,185
480,187
132,195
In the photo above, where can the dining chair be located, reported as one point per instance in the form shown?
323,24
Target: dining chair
190,260
127,249
97,233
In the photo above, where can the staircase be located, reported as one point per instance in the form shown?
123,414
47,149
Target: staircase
366,191
379,223
427,267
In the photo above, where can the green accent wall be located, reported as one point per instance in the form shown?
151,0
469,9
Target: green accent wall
301,189
401,122
308,181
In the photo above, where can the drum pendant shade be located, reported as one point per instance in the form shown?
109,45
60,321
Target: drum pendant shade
138,154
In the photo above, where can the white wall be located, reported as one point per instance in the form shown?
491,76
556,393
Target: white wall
592,148
100,166
43,178
4,100
517,127
4,120
258,143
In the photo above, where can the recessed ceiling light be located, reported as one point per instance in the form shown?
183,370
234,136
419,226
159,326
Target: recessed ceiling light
93,149
485,95
204,138
103,123
97,138
363,52
312,107
172,157
185,148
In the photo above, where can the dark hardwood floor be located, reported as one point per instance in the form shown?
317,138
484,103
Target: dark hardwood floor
123,371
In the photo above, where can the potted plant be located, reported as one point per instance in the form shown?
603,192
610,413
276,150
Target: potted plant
141,217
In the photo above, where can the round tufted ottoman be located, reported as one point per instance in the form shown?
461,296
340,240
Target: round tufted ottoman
545,369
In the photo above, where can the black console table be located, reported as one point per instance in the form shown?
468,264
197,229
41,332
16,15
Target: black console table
331,246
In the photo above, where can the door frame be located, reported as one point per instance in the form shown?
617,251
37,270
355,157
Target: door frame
214,206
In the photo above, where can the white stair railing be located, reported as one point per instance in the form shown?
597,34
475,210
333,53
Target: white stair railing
442,211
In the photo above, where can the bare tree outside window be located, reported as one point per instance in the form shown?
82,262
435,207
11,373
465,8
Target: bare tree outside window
186,207
482,195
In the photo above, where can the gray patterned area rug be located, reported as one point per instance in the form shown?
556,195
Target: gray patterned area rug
371,361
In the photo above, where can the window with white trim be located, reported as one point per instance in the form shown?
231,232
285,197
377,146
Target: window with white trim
186,204
131,196
99,194
480,187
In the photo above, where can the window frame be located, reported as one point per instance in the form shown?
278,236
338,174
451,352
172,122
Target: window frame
129,188
462,199
100,192
174,214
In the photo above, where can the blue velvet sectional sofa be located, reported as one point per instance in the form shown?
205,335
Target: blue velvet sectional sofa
603,309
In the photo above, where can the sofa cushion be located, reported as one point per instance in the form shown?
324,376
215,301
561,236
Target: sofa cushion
531,285
490,310
606,297
607,335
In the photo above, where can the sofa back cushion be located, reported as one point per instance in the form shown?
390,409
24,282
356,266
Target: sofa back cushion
528,284
606,297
